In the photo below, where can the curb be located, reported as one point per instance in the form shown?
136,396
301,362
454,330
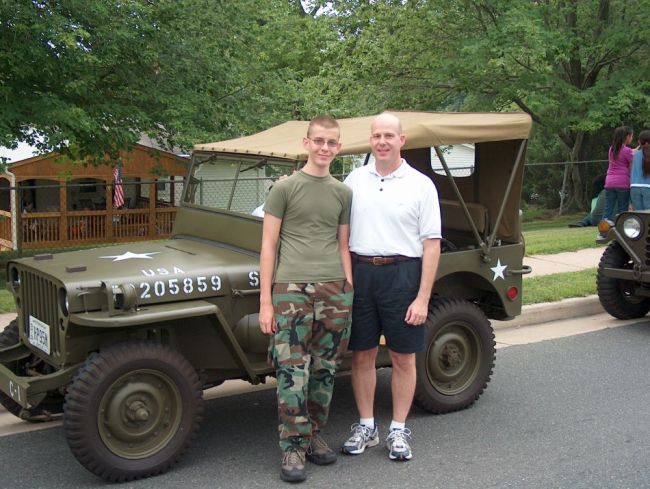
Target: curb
535,314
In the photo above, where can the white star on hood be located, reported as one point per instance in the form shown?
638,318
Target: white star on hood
128,256
498,270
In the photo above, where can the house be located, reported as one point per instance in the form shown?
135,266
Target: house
459,158
49,201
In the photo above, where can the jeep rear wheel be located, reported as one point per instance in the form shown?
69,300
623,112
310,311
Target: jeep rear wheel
52,403
617,296
458,359
132,410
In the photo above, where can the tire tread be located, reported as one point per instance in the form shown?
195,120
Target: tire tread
447,307
96,368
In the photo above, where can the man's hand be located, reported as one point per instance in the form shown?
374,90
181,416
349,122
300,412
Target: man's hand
417,312
267,319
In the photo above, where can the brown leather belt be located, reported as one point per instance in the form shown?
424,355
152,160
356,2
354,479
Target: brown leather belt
381,260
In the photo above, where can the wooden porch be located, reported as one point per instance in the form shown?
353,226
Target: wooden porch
55,212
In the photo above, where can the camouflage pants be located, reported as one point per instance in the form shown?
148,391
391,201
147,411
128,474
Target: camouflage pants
313,330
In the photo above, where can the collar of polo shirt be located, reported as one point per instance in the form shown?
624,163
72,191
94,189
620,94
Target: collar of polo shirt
399,172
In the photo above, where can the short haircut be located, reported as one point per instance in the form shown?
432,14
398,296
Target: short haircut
387,116
326,121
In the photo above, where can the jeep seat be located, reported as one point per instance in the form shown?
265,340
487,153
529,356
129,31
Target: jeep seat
454,219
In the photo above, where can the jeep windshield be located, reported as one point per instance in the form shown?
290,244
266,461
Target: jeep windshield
233,183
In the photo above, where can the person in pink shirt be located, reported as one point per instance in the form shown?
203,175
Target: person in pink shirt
617,181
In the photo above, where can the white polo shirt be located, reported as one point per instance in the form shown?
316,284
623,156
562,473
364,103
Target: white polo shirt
392,215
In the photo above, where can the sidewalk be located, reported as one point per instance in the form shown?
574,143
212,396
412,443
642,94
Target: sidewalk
572,261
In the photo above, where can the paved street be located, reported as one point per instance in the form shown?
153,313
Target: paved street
569,412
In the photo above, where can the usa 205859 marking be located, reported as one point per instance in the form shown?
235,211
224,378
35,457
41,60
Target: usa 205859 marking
175,286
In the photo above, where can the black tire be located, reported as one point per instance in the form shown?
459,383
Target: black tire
617,296
456,365
50,406
132,410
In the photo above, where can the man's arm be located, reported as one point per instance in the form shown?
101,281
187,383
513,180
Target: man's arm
270,236
344,250
417,312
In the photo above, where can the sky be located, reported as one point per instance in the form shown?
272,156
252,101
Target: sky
22,152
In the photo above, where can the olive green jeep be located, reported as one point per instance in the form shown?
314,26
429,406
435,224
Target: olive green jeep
123,340
623,279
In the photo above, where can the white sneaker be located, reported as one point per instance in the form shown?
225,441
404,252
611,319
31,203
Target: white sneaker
398,445
362,437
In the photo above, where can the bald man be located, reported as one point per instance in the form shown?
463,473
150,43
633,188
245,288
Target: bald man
395,244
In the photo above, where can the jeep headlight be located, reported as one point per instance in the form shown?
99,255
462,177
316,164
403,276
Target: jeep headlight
124,297
14,276
64,305
632,227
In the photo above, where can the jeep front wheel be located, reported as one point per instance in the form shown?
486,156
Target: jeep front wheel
617,296
132,410
458,359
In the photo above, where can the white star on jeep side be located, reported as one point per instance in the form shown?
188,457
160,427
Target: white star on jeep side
498,270
128,255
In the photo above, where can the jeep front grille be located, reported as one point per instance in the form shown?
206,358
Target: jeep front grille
39,299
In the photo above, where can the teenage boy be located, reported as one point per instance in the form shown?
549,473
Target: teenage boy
306,295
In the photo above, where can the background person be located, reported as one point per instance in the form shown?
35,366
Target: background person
306,295
617,181
640,177
395,240
595,214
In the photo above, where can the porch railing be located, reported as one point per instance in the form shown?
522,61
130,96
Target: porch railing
6,238
54,229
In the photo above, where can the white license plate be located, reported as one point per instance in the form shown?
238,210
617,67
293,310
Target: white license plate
39,334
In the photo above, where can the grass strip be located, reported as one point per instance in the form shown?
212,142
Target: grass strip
6,298
552,288
554,240
549,220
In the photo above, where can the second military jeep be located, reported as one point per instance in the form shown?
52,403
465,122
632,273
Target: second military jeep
624,269
123,340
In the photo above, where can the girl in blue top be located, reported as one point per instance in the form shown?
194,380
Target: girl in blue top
640,176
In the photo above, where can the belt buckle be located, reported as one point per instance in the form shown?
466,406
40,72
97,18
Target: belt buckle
377,260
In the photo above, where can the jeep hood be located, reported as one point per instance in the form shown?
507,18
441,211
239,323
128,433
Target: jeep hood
136,262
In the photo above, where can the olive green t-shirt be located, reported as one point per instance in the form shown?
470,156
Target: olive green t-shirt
311,209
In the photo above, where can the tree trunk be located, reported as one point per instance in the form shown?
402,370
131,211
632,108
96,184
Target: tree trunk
574,188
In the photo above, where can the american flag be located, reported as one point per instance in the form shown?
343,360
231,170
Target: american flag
118,191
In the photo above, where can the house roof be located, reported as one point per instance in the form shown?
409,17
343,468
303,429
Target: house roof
26,151
422,129
141,161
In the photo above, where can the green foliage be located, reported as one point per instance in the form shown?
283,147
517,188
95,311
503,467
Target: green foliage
552,288
95,75
577,67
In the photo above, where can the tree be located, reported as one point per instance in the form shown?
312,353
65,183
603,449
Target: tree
89,78
575,66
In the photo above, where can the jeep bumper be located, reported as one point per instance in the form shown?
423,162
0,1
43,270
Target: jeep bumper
635,275
28,392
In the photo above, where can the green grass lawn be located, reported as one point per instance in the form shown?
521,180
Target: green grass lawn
559,239
6,299
552,288
548,219
546,233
